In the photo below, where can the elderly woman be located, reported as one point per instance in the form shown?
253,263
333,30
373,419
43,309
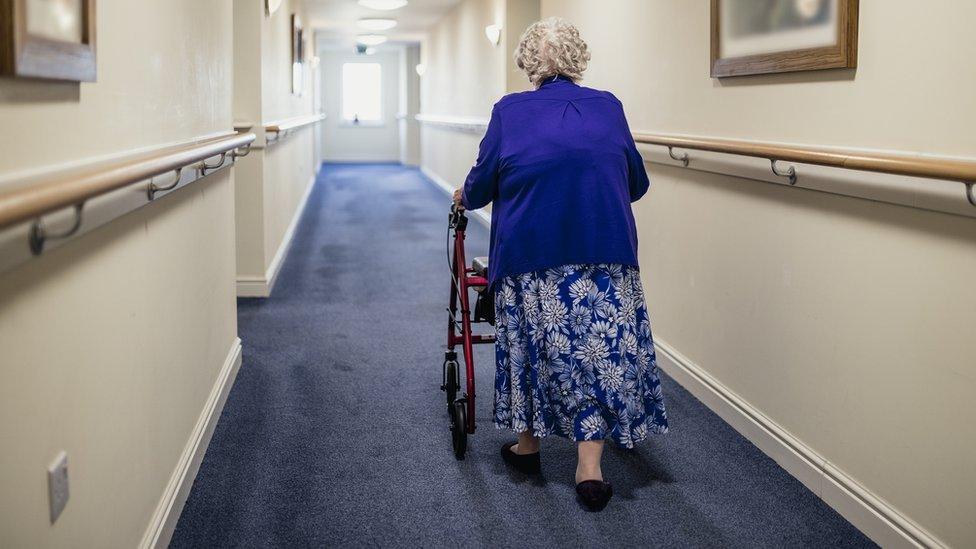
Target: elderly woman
574,351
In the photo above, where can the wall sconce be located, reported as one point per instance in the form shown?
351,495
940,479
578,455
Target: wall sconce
271,6
421,69
494,34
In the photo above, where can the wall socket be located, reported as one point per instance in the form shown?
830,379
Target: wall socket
57,485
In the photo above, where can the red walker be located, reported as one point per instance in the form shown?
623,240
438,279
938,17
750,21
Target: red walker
464,278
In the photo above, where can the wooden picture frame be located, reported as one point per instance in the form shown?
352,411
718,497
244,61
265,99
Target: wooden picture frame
297,55
841,54
25,54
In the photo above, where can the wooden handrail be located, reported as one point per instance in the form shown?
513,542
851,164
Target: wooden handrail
293,123
963,171
72,189
916,166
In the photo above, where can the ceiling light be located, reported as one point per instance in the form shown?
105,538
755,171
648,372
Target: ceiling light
494,34
377,23
384,5
371,39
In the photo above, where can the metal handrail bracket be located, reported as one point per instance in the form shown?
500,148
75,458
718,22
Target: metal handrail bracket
153,188
39,235
789,174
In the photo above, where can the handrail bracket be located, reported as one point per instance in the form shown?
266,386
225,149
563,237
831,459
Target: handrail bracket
971,192
235,154
790,173
204,167
153,188
683,158
38,235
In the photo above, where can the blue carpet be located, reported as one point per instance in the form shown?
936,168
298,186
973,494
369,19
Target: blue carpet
335,432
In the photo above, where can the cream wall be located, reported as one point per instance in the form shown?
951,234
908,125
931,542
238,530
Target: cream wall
519,14
248,97
272,181
288,175
465,75
278,101
133,101
843,321
114,345
409,106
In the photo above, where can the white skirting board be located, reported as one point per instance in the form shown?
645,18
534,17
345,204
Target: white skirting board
876,518
481,215
261,286
170,506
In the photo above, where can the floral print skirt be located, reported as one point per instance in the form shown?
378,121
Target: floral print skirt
575,357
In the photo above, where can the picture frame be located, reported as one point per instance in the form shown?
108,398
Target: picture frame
52,39
751,37
297,55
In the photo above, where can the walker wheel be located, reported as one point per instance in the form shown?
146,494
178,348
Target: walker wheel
453,382
459,428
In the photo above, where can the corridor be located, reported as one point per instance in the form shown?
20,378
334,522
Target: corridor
719,256
336,435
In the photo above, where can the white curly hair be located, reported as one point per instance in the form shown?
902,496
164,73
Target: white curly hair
549,48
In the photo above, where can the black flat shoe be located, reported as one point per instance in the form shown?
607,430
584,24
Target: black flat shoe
594,494
530,464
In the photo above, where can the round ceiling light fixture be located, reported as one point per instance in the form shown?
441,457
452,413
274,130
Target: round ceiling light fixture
383,5
376,23
371,39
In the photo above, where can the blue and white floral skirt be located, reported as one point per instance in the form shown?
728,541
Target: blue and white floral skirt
574,355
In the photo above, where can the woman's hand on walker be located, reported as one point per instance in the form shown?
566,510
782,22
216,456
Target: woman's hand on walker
457,199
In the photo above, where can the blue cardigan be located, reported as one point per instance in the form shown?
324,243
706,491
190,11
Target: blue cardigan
561,168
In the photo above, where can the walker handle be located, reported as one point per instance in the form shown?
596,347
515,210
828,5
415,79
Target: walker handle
457,217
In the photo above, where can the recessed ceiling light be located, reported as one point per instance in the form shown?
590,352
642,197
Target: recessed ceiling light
377,23
371,39
384,5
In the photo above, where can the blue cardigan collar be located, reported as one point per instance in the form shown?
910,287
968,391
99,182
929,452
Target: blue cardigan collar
558,79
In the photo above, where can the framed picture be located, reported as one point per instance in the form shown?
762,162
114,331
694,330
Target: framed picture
297,55
53,39
770,36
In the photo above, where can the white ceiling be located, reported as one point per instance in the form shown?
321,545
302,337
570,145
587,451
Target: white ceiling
335,20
